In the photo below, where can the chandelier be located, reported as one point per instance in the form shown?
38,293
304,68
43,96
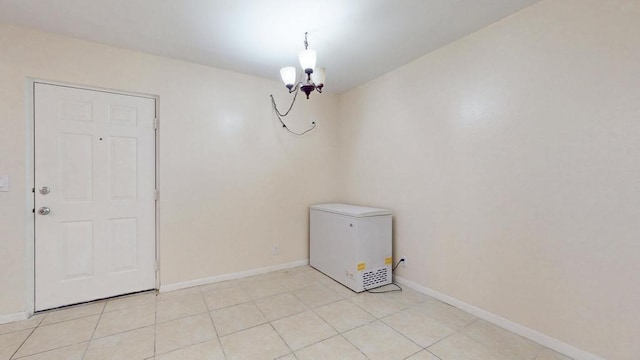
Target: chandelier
315,76
314,80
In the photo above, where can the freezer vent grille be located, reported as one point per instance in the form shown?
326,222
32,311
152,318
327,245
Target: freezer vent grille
375,277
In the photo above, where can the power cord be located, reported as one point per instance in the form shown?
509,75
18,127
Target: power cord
385,291
393,283
397,264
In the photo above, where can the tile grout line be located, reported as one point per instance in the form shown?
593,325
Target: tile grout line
338,333
271,325
84,353
313,310
352,344
362,325
22,343
49,350
181,318
380,319
415,353
123,331
215,328
56,323
398,331
25,339
429,351
67,320
26,328
306,308
321,305
440,340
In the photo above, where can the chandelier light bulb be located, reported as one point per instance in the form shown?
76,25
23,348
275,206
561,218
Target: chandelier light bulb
307,60
318,76
288,75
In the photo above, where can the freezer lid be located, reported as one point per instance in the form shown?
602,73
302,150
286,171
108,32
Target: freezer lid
351,210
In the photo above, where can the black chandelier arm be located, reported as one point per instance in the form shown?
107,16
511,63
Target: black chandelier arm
280,115
294,88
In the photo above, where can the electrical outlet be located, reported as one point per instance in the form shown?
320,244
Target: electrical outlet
404,261
275,249
4,182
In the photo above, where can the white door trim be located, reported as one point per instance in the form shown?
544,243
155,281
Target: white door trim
30,182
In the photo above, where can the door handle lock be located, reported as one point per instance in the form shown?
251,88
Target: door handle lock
44,210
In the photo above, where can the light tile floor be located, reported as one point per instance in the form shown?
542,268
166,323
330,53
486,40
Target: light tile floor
291,314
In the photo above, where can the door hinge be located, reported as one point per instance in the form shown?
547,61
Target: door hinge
156,123
156,194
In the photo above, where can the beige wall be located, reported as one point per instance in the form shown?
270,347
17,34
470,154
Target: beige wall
232,181
511,161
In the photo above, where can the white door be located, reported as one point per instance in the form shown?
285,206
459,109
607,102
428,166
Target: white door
94,194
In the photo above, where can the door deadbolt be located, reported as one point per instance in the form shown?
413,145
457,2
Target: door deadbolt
45,190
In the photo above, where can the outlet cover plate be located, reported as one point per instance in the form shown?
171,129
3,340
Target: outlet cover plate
4,183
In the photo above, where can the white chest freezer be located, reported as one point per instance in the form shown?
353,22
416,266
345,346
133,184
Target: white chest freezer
351,244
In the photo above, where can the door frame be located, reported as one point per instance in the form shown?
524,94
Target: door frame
30,180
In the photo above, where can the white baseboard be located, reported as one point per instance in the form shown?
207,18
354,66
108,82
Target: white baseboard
523,331
232,276
13,317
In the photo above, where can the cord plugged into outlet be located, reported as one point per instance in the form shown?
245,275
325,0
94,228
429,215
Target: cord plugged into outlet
403,260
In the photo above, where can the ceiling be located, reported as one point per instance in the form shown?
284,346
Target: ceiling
356,40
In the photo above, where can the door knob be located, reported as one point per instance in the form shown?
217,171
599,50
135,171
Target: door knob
44,210
44,190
